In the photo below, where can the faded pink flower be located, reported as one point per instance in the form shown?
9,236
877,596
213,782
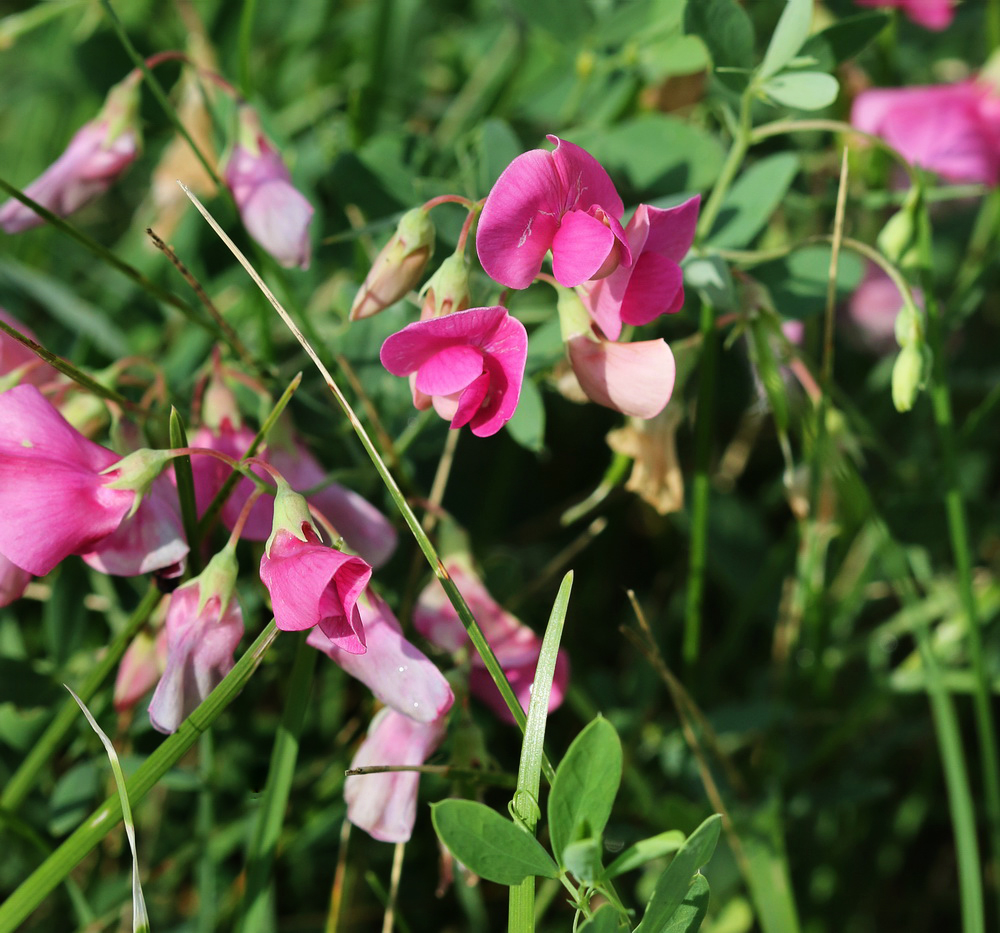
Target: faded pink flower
397,672
653,284
13,581
309,582
471,364
55,499
204,625
561,200
931,14
873,308
14,355
515,645
385,805
951,129
140,669
96,157
275,214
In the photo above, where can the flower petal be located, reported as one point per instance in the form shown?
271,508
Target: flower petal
450,370
671,230
633,378
583,179
653,289
580,248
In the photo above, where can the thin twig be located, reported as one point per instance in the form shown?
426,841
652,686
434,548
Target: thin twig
397,872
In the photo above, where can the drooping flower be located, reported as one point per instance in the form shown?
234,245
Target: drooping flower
931,14
204,625
96,157
140,669
397,672
13,581
55,498
515,645
384,805
470,363
16,356
561,200
951,129
653,284
274,212
309,582
398,266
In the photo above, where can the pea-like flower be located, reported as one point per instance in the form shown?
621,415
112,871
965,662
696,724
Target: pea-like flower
470,364
931,14
562,201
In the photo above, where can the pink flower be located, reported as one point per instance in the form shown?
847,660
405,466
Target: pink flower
397,672
55,499
515,645
932,14
204,625
275,214
951,129
310,583
140,669
653,284
873,308
96,157
14,355
13,581
384,805
561,200
470,363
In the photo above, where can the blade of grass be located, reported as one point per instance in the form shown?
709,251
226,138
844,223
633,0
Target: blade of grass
33,890
185,492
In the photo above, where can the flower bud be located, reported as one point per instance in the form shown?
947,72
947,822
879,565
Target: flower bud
399,265
447,290
907,377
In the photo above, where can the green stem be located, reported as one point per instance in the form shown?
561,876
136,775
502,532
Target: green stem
207,882
26,777
185,492
959,535
260,856
54,869
246,40
738,149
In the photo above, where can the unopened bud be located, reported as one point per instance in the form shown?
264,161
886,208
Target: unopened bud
399,265
447,290
907,378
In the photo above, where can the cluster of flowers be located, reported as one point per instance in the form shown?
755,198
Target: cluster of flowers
62,494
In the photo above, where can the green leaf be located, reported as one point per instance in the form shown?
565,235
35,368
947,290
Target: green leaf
798,282
688,917
791,31
488,844
768,877
803,90
498,147
73,797
726,30
843,40
582,859
527,427
753,199
645,850
605,920
585,786
710,276
674,884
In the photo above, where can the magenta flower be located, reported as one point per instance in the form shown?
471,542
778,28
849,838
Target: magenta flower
931,14
515,645
470,363
96,157
204,625
13,581
275,214
951,129
16,356
397,672
55,499
309,582
653,284
385,805
561,200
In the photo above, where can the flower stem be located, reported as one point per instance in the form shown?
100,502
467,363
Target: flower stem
738,149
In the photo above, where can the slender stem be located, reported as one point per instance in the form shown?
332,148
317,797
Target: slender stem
476,775
337,890
207,881
185,492
448,199
271,816
246,39
394,879
25,779
440,481
959,535
738,149
423,541
94,828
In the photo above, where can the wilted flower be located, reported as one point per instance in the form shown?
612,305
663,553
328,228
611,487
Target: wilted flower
275,214
397,672
204,625
951,129
470,363
309,582
932,14
515,645
384,805
653,284
96,157
561,200
398,266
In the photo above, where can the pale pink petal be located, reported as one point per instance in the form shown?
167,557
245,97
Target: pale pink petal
396,671
654,287
14,355
520,219
140,669
450,370
580,248
446,405
633,378
13,581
